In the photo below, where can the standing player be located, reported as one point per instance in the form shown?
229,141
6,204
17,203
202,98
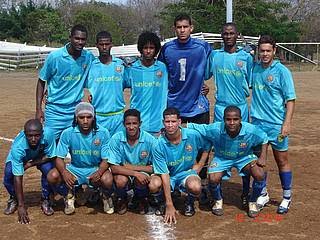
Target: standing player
31,147
234,141
231,68
175,161
273,102
130,158
148,79
186,60
105,83
64,71
87,144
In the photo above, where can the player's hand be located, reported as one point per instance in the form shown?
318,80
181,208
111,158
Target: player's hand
90,98
95,177
170,215
261,162
142,178
27,165
68,178
23,217
285,129
40,115
197,167
205,89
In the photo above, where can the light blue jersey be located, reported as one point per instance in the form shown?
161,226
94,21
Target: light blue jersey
231,148
105,83
86,151
20,152
120,152
272,87
232,74
149,92
175,159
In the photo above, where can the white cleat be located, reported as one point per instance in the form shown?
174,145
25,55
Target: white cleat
108,205
262,201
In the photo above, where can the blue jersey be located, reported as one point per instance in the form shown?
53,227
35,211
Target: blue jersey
105,83
65,76
149,92
186,64
86,151
120,152
20,151
232,74
272,87
231,148
173,159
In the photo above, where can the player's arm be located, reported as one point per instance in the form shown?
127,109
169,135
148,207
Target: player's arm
39,97
38,161
170,214
96,176
121,170
67,177
286,126
261,162
203,160
139,168
23,217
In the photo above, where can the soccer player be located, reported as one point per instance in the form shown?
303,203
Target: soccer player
231,68
87,144
234,141
186,60
131,162
64,71
105,83
175,163
272,107
32,147
148,80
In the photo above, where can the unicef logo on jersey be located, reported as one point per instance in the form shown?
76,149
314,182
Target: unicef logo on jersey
144,154
159,74
97,142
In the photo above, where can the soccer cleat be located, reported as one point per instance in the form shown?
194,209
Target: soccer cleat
122,206
253,210
107,205
161,209
217,208
189,210
262,201
46,207
244,201
12,206
69,204
82,195
284,206
144,207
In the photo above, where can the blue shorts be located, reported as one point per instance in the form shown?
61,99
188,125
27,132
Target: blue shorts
273,131
179,180
219,111
59,117
113,123
225,165
81,174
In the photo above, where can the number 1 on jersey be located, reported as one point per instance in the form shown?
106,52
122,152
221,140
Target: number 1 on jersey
183,64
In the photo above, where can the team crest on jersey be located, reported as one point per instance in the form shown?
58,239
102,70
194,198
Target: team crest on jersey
189,148
159,74
118,69
280,138
243,145
144,154
270,78
240,64
213,164
97,142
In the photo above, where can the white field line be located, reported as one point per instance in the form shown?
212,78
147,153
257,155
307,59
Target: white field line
6,139
158,229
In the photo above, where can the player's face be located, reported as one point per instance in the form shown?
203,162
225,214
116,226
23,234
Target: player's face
229,36
171,124
104,46
78,40
232,121
132,126
85,122
148,51
33,137
266,54
183,30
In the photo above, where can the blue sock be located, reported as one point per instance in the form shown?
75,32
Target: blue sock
62,189
286,182
245,185
264,190
121,192
190,199
257,187
215,190
158,196
141,191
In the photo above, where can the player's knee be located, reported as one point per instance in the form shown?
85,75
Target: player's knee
120,181
107,179
194,187
155,184
53,176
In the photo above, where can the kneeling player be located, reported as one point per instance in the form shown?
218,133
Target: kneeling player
131,159
175,163
87,144
32,147
233,142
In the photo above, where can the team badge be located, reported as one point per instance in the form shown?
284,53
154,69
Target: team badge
270,78
189,148
280,138
213,164
159,74
97,142
243,145
240,64
119,69
144,154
